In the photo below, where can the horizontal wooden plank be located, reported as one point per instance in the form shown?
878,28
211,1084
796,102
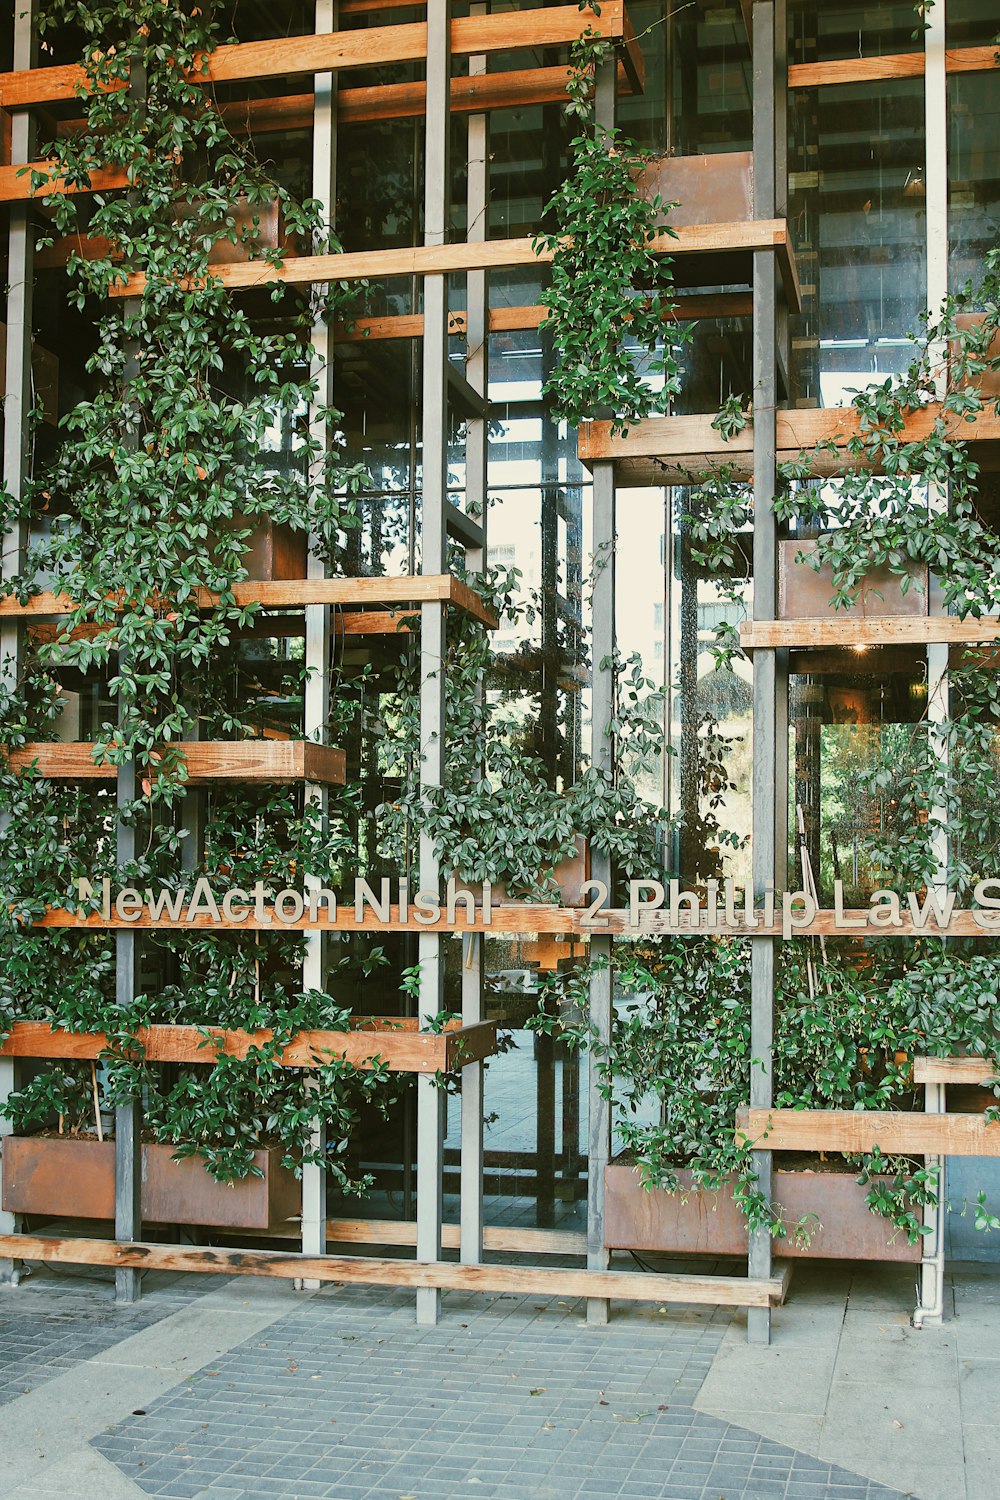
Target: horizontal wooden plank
496,1237
882,69
470,94
743,236
478,93
366,7
397,1045
206,761
16,182
955,1070
405,589
377,46
972,59
894,1133
373,622
528,917
681,446
856,70
859,633
264,626
623,1286
512,319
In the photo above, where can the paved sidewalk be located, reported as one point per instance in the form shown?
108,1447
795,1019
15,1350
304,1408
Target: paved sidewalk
254,1392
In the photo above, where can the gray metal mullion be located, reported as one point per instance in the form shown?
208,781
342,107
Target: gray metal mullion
601,1000
17,405
433,559
769,675
128,1117
317,616
476,451
602,979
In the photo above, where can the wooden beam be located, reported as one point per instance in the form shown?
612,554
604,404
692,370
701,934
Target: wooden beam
624,1286
16,182
495,1237
374,622
372,1040
848,630
535,919
744,236
405,589
263,626
955,1070
473,94
366,7
972,59
674,448
207,761
508,319
893,65
856,70
632,61
470,94
298,56
862,1130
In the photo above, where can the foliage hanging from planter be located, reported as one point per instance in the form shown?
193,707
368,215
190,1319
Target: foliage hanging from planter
610,295
501,815
678,1063
161,476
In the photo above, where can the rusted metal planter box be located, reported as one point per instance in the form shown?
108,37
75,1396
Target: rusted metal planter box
713,189
804,593
987,382
696,1222
570,875
275,553
70,1178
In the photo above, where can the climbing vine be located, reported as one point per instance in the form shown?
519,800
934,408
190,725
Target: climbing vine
153,499
610,295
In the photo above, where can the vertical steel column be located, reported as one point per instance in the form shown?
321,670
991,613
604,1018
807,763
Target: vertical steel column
602,756
770,683
433,559
929,1313
17,404
602,980
128,983
317,616
128,1117
477,374
931,1308
936,127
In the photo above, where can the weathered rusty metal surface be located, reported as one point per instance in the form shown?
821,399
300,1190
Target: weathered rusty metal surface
986,381
804,593
569,875
275,553
75,1179
696,1222
712,189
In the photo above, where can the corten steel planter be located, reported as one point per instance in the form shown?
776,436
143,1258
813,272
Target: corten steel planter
570,875
703,1223
270,232
805,594
274,553
987,381
67,1178
712,189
